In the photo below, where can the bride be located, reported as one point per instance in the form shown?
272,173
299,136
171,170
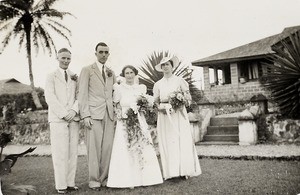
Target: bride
133,160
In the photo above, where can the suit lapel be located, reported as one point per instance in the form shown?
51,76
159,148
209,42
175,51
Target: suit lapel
59,76
97,72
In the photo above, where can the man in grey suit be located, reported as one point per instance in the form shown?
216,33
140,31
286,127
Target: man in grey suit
96,109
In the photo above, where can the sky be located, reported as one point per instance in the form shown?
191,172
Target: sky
134,29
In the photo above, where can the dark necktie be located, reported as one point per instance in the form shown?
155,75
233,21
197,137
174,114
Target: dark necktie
66,76
103,73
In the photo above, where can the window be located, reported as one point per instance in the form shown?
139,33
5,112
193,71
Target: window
251,70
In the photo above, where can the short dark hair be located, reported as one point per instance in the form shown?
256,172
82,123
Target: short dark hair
64,50
131,67
100,44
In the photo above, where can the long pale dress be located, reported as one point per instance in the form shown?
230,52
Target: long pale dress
125,169
177,150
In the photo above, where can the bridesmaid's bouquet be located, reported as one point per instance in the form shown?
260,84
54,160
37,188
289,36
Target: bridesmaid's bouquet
178,99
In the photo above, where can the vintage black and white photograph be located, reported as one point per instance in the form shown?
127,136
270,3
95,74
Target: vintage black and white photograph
150,97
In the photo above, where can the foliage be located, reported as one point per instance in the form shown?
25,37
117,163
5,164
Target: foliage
263,134
17,103
6,165
150,76
231,107
31,23
283,76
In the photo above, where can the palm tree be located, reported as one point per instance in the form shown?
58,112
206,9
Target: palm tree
30,22
283,76
149,75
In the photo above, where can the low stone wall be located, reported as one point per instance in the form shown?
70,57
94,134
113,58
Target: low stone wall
283,130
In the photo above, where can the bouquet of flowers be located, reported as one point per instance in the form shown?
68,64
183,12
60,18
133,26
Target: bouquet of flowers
145,103
136,138
178,99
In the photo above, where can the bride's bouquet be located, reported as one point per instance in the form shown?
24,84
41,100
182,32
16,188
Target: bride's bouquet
136,138
145,103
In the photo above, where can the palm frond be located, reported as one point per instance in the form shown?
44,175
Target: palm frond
149,75
283,77
58,31
45,37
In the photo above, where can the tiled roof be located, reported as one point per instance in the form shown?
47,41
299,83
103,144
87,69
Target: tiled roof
13,86
257,49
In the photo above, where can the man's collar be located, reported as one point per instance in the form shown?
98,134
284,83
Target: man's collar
62,71
99,64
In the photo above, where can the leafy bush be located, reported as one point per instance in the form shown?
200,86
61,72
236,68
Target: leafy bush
21,102
231,107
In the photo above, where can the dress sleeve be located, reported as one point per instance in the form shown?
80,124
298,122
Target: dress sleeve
117,93
184,86
156,92
143,89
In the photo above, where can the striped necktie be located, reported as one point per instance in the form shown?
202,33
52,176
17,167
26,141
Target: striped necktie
103,73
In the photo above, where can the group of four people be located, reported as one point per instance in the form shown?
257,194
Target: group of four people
95,98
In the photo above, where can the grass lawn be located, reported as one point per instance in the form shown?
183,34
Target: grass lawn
218,177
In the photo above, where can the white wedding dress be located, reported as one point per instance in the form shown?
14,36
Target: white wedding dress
125,169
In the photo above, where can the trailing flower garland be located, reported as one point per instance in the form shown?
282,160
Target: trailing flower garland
136,138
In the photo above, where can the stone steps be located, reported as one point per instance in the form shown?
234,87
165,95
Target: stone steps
222,138
222,130
223,121
217,130
216,143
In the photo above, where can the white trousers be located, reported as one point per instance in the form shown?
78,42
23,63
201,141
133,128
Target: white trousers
64,149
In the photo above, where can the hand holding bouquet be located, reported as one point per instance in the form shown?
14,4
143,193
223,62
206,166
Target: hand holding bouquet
178,99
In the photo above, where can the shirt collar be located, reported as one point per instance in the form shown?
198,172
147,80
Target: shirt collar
62,71
100,65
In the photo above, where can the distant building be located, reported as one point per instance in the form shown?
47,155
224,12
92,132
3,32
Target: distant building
13,86
233,75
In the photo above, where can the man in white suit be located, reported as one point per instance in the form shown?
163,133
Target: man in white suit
60,94
96,109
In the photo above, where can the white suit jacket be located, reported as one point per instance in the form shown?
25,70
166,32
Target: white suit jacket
60,96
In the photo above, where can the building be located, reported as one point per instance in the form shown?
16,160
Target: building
234,75
13,86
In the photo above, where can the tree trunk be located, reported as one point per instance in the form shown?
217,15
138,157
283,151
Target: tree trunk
34,94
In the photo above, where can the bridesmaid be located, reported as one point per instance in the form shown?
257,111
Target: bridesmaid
177,150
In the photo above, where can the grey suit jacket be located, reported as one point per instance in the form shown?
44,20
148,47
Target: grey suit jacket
95,95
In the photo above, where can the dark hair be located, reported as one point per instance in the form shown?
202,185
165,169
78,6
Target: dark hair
168,61
100,44
131,67
63,50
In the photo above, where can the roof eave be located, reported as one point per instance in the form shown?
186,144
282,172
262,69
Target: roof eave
229,60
